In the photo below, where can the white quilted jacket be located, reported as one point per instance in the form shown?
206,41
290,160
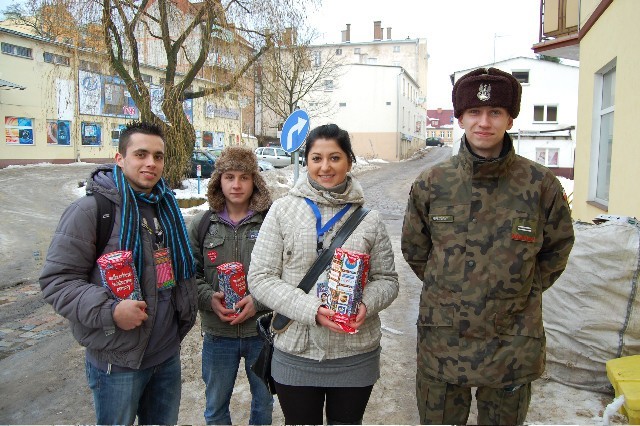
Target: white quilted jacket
286,249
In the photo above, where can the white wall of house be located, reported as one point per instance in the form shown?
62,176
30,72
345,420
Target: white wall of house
550,85
376,108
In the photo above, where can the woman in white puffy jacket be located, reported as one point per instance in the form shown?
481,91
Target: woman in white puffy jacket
314,359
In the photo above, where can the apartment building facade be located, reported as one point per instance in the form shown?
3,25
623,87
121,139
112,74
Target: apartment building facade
603,35
64,104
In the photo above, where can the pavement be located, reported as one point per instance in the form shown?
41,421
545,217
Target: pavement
32,200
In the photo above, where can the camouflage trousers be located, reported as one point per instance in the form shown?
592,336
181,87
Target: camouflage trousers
445,403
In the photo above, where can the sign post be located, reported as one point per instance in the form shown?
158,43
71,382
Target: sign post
294,132
198,173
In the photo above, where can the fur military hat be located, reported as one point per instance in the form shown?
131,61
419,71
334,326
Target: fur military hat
236,158
487,87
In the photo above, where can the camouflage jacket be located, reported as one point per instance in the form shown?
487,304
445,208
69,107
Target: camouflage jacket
487,237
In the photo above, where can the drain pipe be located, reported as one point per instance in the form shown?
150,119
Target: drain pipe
398,140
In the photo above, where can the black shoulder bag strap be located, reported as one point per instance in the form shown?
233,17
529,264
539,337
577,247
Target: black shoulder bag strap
281,322
203,227
105,218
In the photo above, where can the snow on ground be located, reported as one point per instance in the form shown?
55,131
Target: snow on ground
567,184
45,164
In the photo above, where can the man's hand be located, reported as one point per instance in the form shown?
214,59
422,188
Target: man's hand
129,314
321,319
248,310
218,307
360,317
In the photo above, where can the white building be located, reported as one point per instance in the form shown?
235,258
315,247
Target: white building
380,96
377,108
545,130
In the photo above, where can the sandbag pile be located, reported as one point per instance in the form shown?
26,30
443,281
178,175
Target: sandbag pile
592,313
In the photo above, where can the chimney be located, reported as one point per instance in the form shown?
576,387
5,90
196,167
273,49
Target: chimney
377,30
346,34
388,33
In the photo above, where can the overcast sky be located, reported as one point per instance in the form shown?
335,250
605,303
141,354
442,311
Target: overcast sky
460,33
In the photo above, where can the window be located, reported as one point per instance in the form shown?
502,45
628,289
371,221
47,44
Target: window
18,130
15,50
395,63
91,134
388,103
52,58
521,76
281,152
604,108
317,59
90,66
146,78
396,49
58,132
545,113
338,51
328,85
372,60
547,156
343,104
356,51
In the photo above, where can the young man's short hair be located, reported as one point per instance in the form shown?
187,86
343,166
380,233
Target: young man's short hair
143,127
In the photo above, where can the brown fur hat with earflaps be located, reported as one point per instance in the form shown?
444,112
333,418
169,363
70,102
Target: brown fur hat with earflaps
486,87
236,158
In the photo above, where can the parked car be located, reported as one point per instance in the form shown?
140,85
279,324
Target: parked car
278,157
205,160
435,141
264,165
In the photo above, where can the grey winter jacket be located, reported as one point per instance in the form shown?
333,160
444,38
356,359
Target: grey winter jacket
71,283
223,244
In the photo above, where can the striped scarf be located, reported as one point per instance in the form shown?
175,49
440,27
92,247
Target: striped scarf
175,231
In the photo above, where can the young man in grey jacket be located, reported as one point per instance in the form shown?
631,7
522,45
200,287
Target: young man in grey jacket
133,346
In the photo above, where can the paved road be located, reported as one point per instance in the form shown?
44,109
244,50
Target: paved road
41,366
32,200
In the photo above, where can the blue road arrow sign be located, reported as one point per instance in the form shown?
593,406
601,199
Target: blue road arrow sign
294,130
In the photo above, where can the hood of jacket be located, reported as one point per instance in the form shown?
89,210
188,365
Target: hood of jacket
353,194
101,180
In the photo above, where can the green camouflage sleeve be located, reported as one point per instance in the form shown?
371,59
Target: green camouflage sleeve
558,235
416,237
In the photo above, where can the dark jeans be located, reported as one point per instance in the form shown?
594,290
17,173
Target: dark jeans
220,361
303,404
153,394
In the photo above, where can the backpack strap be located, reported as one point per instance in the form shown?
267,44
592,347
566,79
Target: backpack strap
105,219
203,227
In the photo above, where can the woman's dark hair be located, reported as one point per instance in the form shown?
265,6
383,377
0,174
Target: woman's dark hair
330,131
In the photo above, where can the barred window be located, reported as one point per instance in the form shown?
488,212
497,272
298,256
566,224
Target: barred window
15,50
52,58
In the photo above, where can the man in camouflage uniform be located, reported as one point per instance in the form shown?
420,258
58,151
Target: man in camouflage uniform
487,231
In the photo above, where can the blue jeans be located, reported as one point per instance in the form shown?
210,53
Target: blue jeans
153,394
220,362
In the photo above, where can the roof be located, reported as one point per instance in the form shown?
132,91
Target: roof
444,116
7,85
495,65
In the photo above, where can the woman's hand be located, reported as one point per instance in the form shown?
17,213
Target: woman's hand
323,318
360,317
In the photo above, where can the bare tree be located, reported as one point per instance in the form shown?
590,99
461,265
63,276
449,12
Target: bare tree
218,41
296,75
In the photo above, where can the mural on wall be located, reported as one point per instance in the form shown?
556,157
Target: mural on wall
157,96
212,110
58,132
91,134
105,95
18,130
